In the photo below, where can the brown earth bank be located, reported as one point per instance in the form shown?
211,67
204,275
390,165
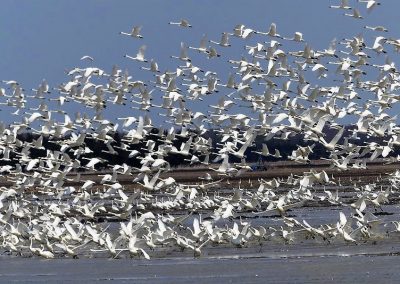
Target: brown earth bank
191,175
283,170
279,170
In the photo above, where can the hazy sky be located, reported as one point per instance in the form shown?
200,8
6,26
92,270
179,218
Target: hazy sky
41,39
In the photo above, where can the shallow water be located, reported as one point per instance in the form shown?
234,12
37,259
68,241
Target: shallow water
301,269
311,262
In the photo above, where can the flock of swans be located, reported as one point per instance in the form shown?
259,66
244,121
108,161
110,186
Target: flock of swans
61,204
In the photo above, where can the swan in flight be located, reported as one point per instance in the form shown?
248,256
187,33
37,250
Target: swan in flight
377,28
183,23
356,14
271,32
298,36
134,33
242,32
224,40
203,45
183,54
87,57
153,67
371,4
344,4
139,56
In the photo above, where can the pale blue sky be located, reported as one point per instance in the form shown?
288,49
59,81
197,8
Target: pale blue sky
41,39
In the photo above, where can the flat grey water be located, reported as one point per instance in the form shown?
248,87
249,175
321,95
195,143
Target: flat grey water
314,269
306,262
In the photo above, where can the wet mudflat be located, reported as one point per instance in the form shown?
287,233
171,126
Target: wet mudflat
303,263
335,269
